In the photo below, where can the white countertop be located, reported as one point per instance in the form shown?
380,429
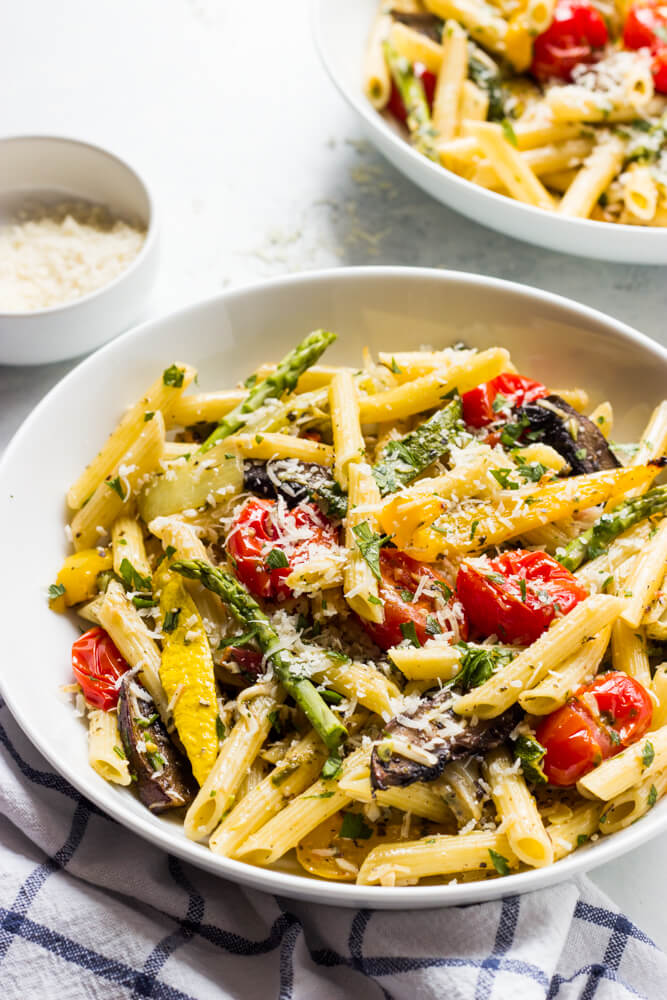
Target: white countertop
260,169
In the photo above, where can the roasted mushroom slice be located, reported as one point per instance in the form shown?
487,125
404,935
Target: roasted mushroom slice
425,24
295,481
420,742
571,434
164,780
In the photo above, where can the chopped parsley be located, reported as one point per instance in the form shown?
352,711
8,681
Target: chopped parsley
581,454
120,752
522,588
276,559
395,368
500,863
157,761
652,796
354,827
582,839
511,432
56,590
173,376
648,754
132,578
369,544
372,599
509,132
148,415
144,601
531,754
145,723
473,528
332,767
220,728
408,631
478,663
502,477
274,719
116,485
250,381
171,620
433,625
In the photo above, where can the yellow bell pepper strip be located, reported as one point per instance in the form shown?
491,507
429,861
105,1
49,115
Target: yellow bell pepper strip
186,672
426,534
78,576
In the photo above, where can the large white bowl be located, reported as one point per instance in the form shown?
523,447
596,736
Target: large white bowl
226,337
341,28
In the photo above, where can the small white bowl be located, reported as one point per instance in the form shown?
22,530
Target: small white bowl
341,28
51,169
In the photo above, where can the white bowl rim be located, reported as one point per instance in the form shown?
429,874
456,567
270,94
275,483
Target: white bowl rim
374,120
146,249
112,803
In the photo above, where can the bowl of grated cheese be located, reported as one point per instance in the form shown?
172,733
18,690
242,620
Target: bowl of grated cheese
78,248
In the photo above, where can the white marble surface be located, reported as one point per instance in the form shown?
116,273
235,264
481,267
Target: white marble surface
260,169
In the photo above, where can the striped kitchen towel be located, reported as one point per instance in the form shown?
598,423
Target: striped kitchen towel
89,910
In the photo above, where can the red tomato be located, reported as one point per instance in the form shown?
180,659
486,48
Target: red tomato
395,102
478,403
646,28
599,721
623,704
575,744
249,660
401,577
517,595
263,526
577,30
98,666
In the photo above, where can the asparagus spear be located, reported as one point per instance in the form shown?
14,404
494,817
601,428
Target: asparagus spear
285,665
403,460
592,543
283,379
414,99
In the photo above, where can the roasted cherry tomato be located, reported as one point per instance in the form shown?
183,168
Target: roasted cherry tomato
599,721
401,577
98,666
572,38
517,595
646,28
395,102
263,527
492,401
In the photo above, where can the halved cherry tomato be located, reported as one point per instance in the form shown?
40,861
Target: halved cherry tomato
401,576
395,102
263,526
249,660
98,666
646,28
599,721
572,38
506,391
517,595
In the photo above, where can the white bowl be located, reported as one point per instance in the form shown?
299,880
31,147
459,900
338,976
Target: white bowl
227,337
52,169
341,28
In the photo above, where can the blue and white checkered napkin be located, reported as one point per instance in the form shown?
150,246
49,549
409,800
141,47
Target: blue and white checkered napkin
87,909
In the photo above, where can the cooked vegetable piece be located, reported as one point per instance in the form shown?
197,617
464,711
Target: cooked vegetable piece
600,720
190,483
593,542
186,672
517,595
162,775
440,737
285,665
98,667
426,24
403,460
495,401
575,37
295,481
405,617
267,544
283,379
78,577
568,432
414,99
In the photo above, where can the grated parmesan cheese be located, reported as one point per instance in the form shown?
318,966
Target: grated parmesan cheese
49,256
